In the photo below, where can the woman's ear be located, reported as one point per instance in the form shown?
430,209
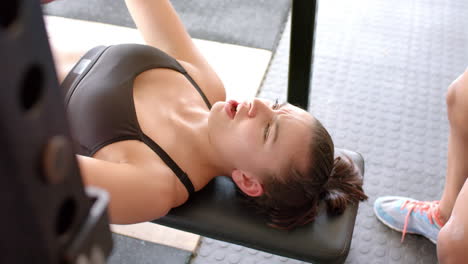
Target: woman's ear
248,183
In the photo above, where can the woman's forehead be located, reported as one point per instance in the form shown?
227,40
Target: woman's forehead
294,113
296,135
298,114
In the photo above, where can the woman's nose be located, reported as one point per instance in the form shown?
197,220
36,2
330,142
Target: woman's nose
259,107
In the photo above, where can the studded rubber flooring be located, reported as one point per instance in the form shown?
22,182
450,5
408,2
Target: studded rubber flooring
380,76
256,23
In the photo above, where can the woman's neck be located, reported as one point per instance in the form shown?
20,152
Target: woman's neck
204,158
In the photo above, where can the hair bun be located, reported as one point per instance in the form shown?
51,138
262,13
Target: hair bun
344,186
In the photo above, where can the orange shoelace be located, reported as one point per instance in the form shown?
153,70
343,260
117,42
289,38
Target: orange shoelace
430,208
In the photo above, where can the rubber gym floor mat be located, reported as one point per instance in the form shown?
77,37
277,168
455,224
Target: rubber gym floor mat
251,23
380,76
128,250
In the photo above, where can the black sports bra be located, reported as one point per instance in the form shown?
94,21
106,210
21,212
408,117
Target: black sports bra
99,98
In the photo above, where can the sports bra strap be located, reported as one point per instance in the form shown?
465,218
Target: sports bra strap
170,163
202,94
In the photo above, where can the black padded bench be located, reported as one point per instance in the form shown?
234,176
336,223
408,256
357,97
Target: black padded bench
218,211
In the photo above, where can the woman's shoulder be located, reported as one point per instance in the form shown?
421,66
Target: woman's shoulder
207,79
143,165
132,188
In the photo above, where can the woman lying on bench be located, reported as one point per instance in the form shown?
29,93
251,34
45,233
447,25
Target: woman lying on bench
151,127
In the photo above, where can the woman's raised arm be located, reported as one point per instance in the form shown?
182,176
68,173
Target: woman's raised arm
162,28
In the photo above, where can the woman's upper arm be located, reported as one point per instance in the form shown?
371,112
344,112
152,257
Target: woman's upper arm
136,195
162,28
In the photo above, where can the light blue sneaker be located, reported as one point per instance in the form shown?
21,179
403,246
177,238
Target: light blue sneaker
409,216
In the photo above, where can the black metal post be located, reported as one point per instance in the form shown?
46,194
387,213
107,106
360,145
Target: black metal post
301,51
47,215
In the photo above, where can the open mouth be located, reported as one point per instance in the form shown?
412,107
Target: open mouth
231,108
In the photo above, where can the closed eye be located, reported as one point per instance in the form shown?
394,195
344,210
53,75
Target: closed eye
275,106
267,131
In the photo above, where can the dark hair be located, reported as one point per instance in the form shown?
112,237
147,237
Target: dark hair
293,200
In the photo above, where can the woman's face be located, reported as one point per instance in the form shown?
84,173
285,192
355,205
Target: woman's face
260,136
